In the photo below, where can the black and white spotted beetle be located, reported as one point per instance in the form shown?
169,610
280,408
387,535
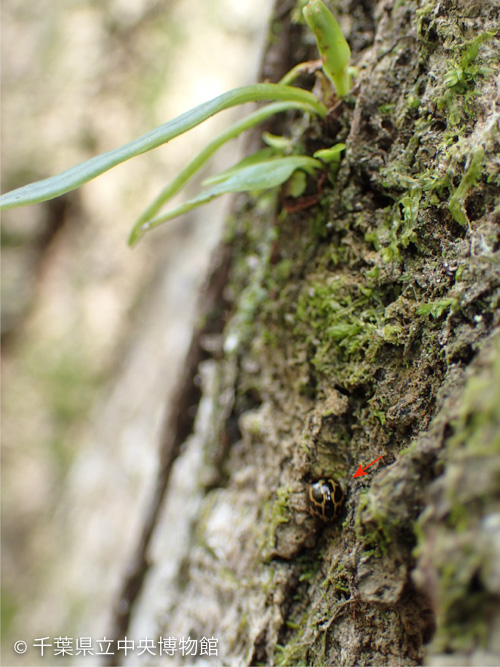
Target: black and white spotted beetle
324,499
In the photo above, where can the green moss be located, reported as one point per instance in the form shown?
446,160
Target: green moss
336,312
386,109
462,74
309,564
436,308
457,551
294,652
400,227
291,654
371,525
345,322
429,188
338,578
459,517
460,78
474,171
276,512
413,101
478,426
380,415
460,618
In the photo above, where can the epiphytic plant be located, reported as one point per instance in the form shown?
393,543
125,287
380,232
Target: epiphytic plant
260,171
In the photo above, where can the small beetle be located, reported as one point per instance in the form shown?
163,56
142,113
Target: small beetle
324,499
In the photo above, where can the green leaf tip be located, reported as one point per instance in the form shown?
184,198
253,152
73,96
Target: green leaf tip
332,45
332,154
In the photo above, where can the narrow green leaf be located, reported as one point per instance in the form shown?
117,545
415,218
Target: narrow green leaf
75,176
261,176
262,155
266,174
206,153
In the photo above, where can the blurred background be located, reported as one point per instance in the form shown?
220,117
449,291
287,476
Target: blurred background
93,332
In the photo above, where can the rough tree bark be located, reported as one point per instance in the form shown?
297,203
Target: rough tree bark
363,326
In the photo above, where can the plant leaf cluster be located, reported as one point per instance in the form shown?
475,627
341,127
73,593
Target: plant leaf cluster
262,172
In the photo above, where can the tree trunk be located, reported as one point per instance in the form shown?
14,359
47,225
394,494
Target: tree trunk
355,325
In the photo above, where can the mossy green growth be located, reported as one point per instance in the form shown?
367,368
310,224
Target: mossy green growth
460,619
436,308
459,550
413,101
398,229
338,579
291,653
478,426
295,649
374,533
387,109
462,74
460,78
457,200
276,512
345,322
456,93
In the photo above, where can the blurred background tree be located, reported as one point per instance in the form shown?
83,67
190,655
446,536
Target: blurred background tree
94,332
